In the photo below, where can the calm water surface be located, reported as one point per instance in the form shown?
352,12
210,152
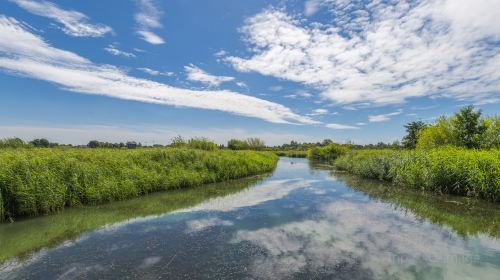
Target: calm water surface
303,222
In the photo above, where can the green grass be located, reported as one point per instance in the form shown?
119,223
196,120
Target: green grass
292,154
474,173
41,181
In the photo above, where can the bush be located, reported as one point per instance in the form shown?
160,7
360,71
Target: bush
41,181
329,152
202,144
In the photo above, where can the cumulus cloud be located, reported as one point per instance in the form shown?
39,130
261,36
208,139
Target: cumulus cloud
73,23
23,53
379,52
112,49
196,74
147,18
340,126
383,117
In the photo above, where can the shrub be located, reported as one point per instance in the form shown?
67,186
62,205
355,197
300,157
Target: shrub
202,144
329,152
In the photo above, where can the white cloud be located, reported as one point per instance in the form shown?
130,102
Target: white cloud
150,37
74,23
275,88
340,126
318,112
241,84
383,117
26,54
196,74
112,49
147,18
311,7
153,72
377,53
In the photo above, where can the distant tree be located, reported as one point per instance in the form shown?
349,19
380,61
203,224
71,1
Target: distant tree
235,144
12,143
441,133
40,143
93,144
255,144
491,137
178,141
132,144
327,142
202,144
469,127
413,130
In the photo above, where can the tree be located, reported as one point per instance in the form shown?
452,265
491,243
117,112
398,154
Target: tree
235,144
439,134
255,144
94,144
413,130
491,137
468,127
40,143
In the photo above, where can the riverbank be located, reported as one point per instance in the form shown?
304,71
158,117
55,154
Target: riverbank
473,173
27,236
41,181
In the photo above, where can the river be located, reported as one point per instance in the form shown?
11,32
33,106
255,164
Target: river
304,221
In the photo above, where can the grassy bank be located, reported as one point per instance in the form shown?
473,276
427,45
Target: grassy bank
41,181
26,236
474,173
292,154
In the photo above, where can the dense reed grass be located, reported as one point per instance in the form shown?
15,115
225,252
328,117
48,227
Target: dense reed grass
292,154
474,173
328,152
40,181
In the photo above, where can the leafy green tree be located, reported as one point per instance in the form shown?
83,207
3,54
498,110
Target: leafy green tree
40,143
439,134
255,144
491,136
468,127
202,144
94,144
178,141
413,130
13,143
235,144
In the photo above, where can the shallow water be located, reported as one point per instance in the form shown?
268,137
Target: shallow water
303,222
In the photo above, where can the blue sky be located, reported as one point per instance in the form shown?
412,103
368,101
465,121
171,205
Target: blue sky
348,70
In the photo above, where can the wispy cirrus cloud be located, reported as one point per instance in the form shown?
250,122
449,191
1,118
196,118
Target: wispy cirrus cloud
383,117
112,49
379,52
23,53
147,18
73,23
196,74
153,72
340,126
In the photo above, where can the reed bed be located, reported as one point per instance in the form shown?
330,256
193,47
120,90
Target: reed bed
41,181
474,173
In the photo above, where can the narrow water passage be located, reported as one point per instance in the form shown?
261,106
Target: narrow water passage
303,222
